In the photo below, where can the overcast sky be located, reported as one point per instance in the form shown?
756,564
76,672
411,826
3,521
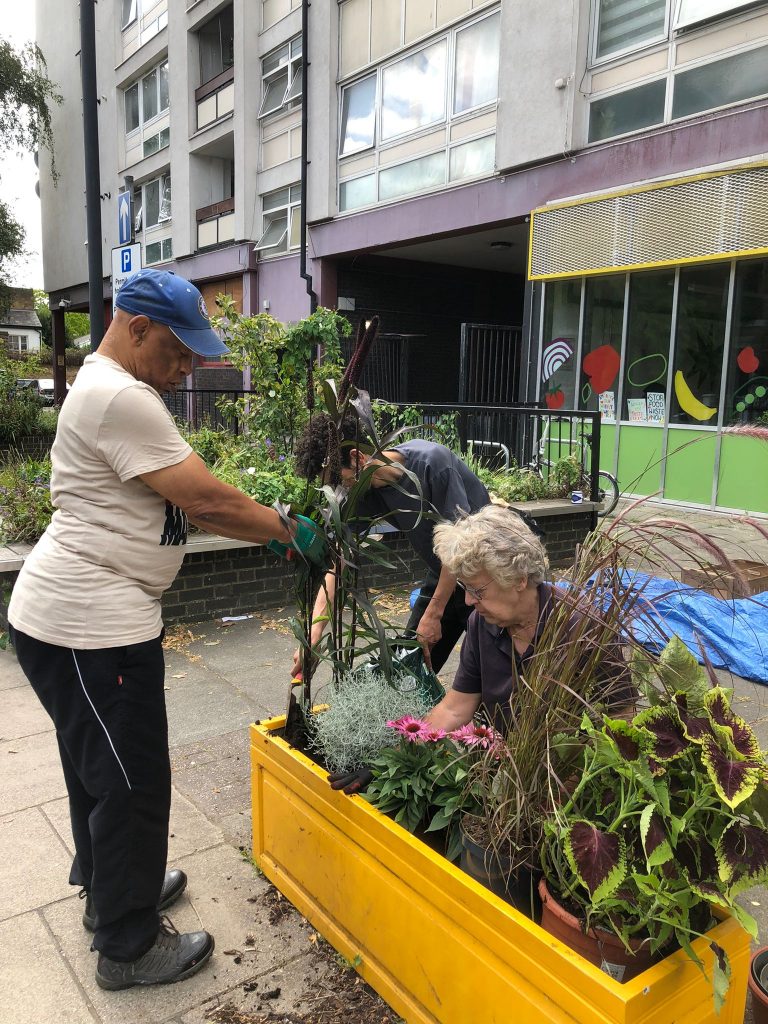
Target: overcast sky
18,174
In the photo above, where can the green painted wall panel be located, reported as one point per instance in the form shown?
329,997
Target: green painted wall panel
690,466
743,477
607,443
640,459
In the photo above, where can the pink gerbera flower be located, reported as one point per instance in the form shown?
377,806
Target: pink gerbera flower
410,728
472,735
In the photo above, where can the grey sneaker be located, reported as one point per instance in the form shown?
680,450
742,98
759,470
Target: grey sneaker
173,957
174,884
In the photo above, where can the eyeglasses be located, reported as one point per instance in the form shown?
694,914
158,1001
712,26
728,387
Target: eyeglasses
477,594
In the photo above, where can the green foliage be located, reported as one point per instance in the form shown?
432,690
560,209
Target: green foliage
666,818
76,325
21,406
277,358
442,429
43,311
26,98
25,501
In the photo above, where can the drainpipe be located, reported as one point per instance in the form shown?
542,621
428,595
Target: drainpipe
92,173
305,5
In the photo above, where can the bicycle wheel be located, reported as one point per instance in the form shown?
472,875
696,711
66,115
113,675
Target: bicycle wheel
608,493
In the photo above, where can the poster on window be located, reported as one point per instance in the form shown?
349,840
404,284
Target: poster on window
655,404
637,410
606,403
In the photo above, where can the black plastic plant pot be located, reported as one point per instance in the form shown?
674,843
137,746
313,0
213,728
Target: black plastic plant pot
493,870
758,985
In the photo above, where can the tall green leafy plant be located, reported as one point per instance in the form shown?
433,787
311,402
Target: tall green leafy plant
277,358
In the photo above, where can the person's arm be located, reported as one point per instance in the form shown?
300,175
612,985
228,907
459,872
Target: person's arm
429,629
454,710
215,506
320,614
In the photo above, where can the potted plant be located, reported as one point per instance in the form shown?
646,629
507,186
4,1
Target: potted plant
666,824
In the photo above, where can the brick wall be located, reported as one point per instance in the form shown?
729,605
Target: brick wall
35,447
563,534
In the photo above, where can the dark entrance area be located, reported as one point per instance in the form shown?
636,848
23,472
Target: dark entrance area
426,303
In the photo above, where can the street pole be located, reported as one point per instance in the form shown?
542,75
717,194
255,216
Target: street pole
92,172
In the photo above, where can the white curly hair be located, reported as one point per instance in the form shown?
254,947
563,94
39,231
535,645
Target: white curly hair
494,540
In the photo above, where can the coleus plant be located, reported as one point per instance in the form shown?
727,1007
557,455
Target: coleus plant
668,817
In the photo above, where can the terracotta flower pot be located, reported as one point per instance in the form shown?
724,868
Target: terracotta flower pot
602,948
756,981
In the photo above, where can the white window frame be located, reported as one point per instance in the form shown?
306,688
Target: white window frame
163,259
290,210
291,60
450,65
134,13
670,75
18,342
673,28
164,180
139,85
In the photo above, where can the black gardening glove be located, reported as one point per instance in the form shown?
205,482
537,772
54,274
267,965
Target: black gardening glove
351,782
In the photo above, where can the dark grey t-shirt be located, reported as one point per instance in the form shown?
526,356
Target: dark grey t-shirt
448,487
491,665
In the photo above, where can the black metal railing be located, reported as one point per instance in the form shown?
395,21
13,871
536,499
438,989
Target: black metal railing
503,436
500,436
200,407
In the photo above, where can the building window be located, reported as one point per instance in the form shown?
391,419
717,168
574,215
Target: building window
691,12
601,345
699,342
157,142
217,45
476,71
158,252
281,229
746,396
147,98
152,203
131,10
628,111
282,78
624,25
733,79
413,91
18,343
358,116
647,356
560,343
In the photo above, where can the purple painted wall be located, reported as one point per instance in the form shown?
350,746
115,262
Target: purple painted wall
674,149
278,282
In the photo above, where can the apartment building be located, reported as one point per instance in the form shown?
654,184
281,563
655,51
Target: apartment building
563,201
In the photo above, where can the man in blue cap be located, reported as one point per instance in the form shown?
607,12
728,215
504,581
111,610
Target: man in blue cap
86,619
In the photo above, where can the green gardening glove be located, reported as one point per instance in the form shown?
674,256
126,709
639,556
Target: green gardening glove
308,539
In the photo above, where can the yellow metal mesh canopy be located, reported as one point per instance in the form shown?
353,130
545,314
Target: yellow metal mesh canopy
715,215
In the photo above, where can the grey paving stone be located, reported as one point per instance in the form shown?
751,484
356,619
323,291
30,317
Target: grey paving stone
35,865
10,671
23,714
36,987
220,885
219,787
203,704
30,771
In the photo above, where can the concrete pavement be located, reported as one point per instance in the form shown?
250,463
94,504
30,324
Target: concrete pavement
216,684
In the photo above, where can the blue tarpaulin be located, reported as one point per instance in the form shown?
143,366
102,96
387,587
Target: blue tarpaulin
734,633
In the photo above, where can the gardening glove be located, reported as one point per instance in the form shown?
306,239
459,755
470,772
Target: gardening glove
308,539
351,781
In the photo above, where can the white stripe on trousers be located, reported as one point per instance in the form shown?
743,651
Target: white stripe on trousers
106,732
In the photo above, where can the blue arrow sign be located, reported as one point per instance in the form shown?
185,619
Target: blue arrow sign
124,218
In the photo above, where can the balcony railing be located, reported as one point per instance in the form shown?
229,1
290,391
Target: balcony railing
216,224
216,98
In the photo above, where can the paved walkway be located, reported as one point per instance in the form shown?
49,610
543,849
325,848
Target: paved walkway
216,685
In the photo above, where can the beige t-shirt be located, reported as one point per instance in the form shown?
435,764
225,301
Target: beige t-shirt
97,574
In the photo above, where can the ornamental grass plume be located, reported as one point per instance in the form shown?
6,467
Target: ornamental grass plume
366,335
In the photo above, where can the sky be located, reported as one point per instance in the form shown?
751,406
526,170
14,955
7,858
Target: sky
18,173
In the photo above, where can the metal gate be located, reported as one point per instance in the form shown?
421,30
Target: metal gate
489,372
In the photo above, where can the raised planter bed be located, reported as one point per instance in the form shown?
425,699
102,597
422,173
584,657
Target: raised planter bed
435,944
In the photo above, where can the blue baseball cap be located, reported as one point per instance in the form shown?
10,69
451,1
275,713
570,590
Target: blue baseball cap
170,300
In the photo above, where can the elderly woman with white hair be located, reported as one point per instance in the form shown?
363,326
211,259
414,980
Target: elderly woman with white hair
502,566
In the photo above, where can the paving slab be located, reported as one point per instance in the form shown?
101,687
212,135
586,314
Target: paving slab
35,983
11,675
23,714
202,703
219,787
30,771
220,885
35,864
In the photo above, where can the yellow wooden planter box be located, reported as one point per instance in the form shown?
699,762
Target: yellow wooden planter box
436,945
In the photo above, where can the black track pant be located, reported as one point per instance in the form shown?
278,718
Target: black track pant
108,707
453,622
